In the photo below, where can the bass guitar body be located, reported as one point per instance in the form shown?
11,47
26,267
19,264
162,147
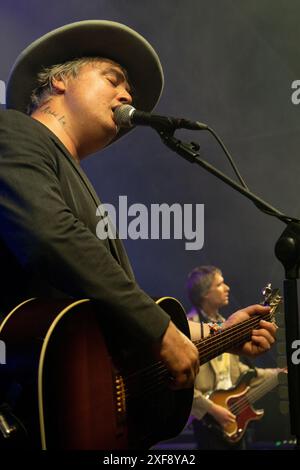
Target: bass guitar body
236,400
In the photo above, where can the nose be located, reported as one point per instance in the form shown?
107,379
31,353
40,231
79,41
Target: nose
125,97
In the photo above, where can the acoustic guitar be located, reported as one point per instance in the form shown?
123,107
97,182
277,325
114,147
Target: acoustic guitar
80,388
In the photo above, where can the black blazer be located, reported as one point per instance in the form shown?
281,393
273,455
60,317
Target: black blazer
48,236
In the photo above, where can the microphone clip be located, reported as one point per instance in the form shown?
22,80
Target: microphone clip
189,151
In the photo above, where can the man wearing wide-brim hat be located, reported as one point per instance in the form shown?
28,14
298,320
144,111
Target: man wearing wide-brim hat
70,81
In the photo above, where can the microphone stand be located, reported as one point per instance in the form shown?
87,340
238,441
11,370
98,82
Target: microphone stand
287,250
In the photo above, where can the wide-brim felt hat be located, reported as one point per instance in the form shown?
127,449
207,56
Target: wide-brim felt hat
90,38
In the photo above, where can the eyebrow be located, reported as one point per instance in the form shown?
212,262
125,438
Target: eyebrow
119,74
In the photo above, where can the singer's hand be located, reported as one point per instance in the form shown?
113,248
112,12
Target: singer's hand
180,357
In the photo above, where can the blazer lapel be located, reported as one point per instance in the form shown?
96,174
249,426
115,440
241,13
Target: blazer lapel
116,246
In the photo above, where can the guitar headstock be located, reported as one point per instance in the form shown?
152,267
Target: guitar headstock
272,298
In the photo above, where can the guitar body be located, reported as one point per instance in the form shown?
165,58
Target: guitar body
80,391
76,383
235,400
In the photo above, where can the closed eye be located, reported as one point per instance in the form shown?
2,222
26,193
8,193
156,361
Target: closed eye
116,78
113,81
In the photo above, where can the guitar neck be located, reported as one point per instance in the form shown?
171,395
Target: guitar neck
229,338
266,386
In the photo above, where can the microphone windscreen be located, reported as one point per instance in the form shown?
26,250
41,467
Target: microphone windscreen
122,115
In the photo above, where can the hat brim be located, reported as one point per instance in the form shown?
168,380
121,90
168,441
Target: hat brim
90,38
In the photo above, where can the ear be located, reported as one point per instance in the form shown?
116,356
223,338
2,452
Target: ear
59,85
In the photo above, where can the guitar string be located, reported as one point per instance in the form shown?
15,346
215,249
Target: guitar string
219,339
237,327
254,394
236,409
208,345
242,403
163,372
159,366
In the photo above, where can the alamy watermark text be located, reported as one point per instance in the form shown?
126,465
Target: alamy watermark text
161,221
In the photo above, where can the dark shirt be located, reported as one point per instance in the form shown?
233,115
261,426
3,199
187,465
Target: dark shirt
48,242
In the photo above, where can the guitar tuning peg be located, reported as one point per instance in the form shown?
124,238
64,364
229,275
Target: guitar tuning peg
267,290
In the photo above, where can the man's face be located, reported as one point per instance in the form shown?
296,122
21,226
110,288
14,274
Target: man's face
91,99
218,294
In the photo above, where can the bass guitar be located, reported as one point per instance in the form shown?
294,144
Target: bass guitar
239,400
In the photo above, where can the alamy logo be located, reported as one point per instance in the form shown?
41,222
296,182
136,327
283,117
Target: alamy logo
296,354
295,97
2,352
180,222
2,92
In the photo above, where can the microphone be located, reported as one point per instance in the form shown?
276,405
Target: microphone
127,116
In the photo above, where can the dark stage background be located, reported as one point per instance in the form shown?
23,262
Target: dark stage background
231,64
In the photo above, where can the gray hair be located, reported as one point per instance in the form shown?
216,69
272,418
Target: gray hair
63,71
199,282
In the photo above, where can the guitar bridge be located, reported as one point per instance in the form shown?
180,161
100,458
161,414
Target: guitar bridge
120,396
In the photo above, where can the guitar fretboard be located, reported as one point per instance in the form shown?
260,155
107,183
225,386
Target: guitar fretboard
229,338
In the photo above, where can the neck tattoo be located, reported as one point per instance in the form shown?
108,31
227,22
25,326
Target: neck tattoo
48,110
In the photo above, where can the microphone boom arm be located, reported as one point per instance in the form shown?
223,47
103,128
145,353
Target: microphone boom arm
189,152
